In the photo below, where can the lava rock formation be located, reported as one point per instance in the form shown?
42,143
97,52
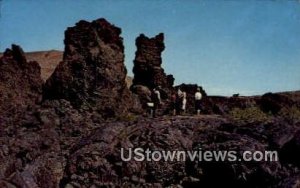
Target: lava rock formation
147,64
20,81
92,74
64,141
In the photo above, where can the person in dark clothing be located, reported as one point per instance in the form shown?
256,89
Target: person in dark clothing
179,97
174,103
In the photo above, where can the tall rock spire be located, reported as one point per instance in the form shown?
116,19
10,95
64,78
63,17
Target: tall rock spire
147,64
92,73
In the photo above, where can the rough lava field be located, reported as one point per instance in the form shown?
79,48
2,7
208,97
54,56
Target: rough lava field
64,117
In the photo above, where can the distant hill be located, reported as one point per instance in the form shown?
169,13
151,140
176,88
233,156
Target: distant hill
48,60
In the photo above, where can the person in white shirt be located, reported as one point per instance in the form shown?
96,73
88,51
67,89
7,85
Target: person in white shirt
198,97
156,99
183,101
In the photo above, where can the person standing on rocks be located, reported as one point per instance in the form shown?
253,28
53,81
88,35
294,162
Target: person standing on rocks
174,103
198,97
181,100
156,99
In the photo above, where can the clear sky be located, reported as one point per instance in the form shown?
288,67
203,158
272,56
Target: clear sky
227,46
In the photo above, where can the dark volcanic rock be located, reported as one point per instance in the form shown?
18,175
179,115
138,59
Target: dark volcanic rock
20,81
58,143
96,159
290,152
92,73
147,64
143,92
35,143
274,102
223,105
148,72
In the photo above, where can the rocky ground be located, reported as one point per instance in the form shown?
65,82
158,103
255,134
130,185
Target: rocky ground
68,131
55,145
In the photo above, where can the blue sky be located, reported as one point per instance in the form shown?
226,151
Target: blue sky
227,46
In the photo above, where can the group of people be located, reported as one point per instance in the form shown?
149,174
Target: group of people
178,101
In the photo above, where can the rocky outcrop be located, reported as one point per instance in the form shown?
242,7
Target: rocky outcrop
275,102
147,64
34,144
92,73
148,72
58,143
224,105
20,81
143,93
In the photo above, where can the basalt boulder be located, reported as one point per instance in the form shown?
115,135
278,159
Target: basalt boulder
92,74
